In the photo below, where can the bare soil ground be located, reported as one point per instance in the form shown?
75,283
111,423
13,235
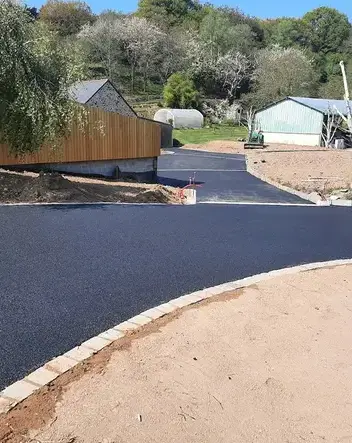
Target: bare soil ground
218,146
278,369
28,187
306,168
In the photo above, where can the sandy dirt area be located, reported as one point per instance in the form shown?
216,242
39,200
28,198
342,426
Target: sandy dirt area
306,168
271,363
219,146
18,187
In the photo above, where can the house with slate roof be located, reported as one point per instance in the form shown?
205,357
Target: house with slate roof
101,94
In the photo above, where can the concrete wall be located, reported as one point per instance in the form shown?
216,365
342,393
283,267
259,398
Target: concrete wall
108,99
292,139
140,169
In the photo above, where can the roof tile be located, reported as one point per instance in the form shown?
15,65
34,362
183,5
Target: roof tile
83,91
323,104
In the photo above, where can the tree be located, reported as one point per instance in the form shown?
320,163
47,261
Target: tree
167,13
327,29
231,70
346,46
202,67
66,17
112,14
171,54
220,35
180,92
215,32
243,38
331,64
332,121
333,88
218,111
269,29
140,40
282,72
102,42
222,75
289,32
35,76
249,121
33,11
238,18
113,40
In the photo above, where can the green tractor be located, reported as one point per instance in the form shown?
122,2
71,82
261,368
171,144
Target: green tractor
255,140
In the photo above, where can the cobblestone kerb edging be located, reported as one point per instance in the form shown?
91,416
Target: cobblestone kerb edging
20,390
312,197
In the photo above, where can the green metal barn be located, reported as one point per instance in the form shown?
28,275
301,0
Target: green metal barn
297,120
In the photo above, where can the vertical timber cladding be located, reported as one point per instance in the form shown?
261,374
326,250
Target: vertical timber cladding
107,136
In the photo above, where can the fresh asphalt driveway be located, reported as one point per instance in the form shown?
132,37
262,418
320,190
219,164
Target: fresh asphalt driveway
70,272
220,178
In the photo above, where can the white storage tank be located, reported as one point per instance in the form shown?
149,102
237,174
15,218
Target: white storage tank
340,143
180,118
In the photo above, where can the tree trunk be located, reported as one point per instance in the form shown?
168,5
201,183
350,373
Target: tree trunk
132,78
145,70
144,81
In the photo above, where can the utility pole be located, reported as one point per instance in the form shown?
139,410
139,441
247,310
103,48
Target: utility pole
347,96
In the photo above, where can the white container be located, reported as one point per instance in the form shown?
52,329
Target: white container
340,143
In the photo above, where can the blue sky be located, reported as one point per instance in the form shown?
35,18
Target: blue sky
259,8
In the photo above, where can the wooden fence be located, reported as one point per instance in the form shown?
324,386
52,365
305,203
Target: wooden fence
107,136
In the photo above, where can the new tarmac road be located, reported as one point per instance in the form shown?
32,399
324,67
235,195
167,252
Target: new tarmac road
70,272
219,178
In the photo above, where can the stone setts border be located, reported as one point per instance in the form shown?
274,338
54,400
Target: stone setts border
22,389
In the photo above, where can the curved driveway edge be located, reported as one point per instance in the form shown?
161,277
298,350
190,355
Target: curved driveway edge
20,390
220,178
312,197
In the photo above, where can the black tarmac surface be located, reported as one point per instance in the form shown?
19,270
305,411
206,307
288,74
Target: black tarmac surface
70,272
220,177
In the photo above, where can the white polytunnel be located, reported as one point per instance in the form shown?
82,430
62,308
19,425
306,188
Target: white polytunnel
180,118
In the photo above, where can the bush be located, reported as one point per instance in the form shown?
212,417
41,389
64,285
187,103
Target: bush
221,112
180,92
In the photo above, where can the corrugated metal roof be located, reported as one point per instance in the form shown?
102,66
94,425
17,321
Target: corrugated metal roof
322,104
83,91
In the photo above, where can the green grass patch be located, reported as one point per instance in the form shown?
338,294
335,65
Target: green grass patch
204,135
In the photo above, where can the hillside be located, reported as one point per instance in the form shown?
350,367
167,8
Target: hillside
223,52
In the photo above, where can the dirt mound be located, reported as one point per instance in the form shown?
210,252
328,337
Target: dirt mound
53,187
160,194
